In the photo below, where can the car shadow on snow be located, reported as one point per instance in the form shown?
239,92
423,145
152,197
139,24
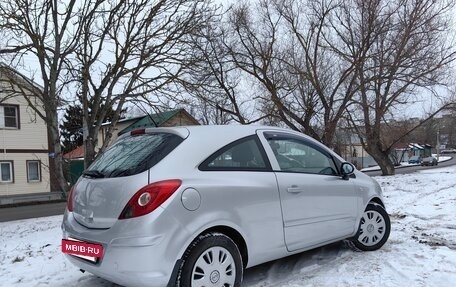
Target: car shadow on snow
267,274
298,265
90,280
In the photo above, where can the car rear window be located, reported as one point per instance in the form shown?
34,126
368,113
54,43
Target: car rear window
134,154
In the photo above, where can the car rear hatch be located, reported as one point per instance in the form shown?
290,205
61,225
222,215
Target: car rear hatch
115,176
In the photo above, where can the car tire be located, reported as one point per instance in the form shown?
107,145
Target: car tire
374,229
213,259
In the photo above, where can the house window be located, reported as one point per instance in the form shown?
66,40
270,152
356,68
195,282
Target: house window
9,116
33,170
6,172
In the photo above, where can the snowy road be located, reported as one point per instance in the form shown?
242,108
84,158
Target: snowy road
421,250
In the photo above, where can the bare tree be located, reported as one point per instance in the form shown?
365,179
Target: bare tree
44,31
323,83
102,52
281,48
253,46
137,49
208,114
400,50
215,84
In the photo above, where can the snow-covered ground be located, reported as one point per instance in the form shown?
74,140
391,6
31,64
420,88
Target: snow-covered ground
421,250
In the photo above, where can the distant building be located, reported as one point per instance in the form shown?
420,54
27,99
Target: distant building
24,149
421,150
353,151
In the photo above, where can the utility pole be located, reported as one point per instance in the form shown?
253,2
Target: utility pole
438,143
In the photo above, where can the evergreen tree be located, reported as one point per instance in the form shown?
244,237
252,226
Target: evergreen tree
71,128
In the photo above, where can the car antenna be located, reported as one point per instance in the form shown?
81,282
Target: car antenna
150,117
147,113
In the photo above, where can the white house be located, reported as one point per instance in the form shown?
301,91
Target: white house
24,149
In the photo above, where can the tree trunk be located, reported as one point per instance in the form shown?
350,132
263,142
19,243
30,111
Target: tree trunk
56,166
89,153
90,142
383,160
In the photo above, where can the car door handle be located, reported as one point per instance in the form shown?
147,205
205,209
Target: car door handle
294,189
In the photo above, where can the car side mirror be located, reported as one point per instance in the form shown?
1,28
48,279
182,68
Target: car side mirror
347,169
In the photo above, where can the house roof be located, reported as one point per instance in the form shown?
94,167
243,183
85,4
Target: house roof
152,120
10,73
76,153
419,146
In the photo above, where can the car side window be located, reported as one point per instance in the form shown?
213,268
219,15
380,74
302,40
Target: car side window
294,155
242,155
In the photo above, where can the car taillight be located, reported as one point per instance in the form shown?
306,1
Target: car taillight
148,198
70,199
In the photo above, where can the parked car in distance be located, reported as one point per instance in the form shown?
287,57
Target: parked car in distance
194,206
430,160
446,151
416,159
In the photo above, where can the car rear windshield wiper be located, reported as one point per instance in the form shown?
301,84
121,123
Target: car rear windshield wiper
119,172
94,173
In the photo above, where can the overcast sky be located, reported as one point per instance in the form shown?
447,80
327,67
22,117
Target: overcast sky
424,104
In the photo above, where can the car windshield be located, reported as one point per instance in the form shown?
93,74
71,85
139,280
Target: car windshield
133,154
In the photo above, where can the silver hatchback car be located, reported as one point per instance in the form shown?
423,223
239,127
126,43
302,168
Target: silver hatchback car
195,206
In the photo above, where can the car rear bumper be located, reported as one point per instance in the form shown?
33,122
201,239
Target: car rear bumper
132,255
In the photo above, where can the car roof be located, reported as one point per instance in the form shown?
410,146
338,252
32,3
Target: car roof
228,133
221,134
232,127
209,131
238,130
203,140
234,130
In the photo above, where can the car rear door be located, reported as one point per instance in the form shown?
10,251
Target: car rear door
317,204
